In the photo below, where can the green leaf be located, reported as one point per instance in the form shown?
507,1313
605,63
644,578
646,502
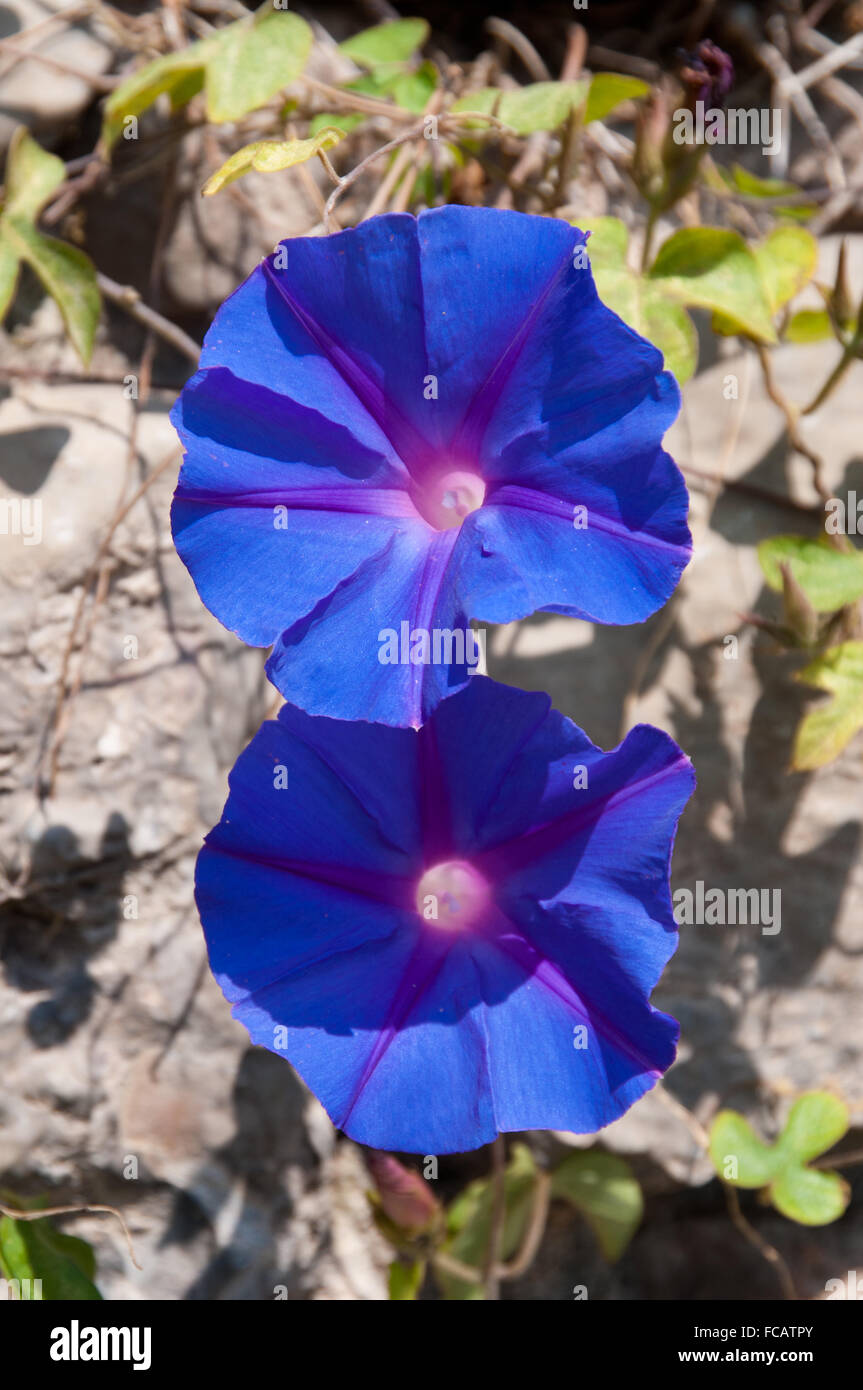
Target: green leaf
601,1187
786,259
609,239
812,1197
32,175
732,1137
809,326
342,120
405,1281
829,727
66,273
269,156
796,212
253,61
745,182
809,1196
609,89
829,578
32,1250
392,42
816,1122
539,106
715,269
242,67
639,302
9,263
412,90
469,1221
180,74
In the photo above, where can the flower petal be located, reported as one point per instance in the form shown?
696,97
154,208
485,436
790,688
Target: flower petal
587,1067
338,656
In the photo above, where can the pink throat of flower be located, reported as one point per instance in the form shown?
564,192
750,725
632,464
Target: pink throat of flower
451,497
452,895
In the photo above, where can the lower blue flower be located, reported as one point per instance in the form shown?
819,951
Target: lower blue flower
454,931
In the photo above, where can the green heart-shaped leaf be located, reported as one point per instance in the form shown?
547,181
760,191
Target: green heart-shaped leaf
815,1122
810,1197
601,1187
738,1155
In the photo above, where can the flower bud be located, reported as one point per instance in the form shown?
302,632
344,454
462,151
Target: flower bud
405,1198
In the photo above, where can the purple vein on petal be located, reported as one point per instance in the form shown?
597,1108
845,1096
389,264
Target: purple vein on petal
529,499
360,500
389,889
514,944
420,973
469,435
434,569
435,813
407,442
517,853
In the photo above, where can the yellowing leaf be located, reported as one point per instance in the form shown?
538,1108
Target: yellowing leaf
268,156
539,106
663,321
241,66
609,89
253,61
830,726
786,259
608,240
809,326
180,74
32,175
66,273
715,269
829,578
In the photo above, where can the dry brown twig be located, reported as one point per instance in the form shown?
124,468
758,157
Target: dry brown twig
39,1213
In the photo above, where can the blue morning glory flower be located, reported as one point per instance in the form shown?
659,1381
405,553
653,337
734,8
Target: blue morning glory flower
464,945
413,423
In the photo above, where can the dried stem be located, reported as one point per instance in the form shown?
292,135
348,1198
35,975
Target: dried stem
770,1253
490,1272
40,1212
128,298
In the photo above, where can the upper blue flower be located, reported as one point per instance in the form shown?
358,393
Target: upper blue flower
464,945
422,421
